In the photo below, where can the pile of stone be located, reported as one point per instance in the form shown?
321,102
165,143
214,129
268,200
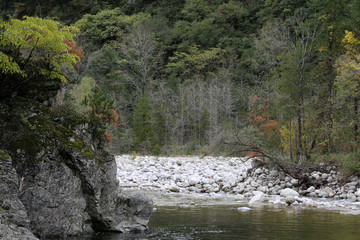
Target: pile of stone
332,187
226,175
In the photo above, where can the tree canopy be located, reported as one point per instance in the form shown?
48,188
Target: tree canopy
195,76
34,51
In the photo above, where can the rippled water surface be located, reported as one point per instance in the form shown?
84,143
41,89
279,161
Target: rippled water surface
227,222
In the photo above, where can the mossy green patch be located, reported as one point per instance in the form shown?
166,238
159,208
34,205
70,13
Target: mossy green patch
4,155
28,143
36,129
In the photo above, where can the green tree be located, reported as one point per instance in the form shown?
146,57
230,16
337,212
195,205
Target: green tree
34,53
279,9
103,64
294,41
204,127
101,113
81,91
334,18
142,127
64,10
196,10
348,81
107,26
196,62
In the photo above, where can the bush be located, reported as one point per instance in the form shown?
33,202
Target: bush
348,163
351,163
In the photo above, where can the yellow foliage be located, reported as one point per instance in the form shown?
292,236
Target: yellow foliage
348,68
8,66
350,42
133,156
285,139
196,60
38,40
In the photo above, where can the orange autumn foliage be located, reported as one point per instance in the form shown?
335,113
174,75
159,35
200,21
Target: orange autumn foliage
259,117
259,111
253,155
108,137
271,129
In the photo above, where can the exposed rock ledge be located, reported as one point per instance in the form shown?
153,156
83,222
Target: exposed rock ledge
56,179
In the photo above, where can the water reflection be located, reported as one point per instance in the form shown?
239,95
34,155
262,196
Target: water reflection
227,222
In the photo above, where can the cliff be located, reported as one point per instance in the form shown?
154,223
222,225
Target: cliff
57,178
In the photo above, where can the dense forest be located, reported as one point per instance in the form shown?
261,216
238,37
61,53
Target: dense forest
277,78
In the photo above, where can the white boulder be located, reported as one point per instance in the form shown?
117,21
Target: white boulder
311,189
288,192
290,200
194,180
257,199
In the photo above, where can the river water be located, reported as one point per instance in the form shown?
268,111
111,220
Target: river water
228,222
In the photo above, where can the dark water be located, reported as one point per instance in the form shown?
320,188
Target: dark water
259,223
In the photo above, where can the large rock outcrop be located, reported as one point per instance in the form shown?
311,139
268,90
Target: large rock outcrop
14,223
67,181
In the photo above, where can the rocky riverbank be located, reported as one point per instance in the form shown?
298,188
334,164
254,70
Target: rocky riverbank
220,176
57,178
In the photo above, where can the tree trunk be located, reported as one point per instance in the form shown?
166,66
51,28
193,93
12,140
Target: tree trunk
329,101
290,145
299,119
356,126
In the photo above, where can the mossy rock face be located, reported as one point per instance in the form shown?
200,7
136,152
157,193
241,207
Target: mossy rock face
48,147
69,183
14,223
30,130
7,175
4,156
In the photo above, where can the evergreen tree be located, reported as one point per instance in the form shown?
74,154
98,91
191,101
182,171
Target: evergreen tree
142,127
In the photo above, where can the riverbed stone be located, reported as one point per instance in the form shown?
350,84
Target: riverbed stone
352,188
313,195
217,177
174,188
321,193
257,199
243,209
330,179
357,193
351,184
254,184
354,178
193,180
290,200
288,192
198,186
277,182
232,180
258,171
351,197
316,176
226,188
324,176
311,189
329,191
294,182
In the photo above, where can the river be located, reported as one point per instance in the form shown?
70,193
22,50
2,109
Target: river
198,219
